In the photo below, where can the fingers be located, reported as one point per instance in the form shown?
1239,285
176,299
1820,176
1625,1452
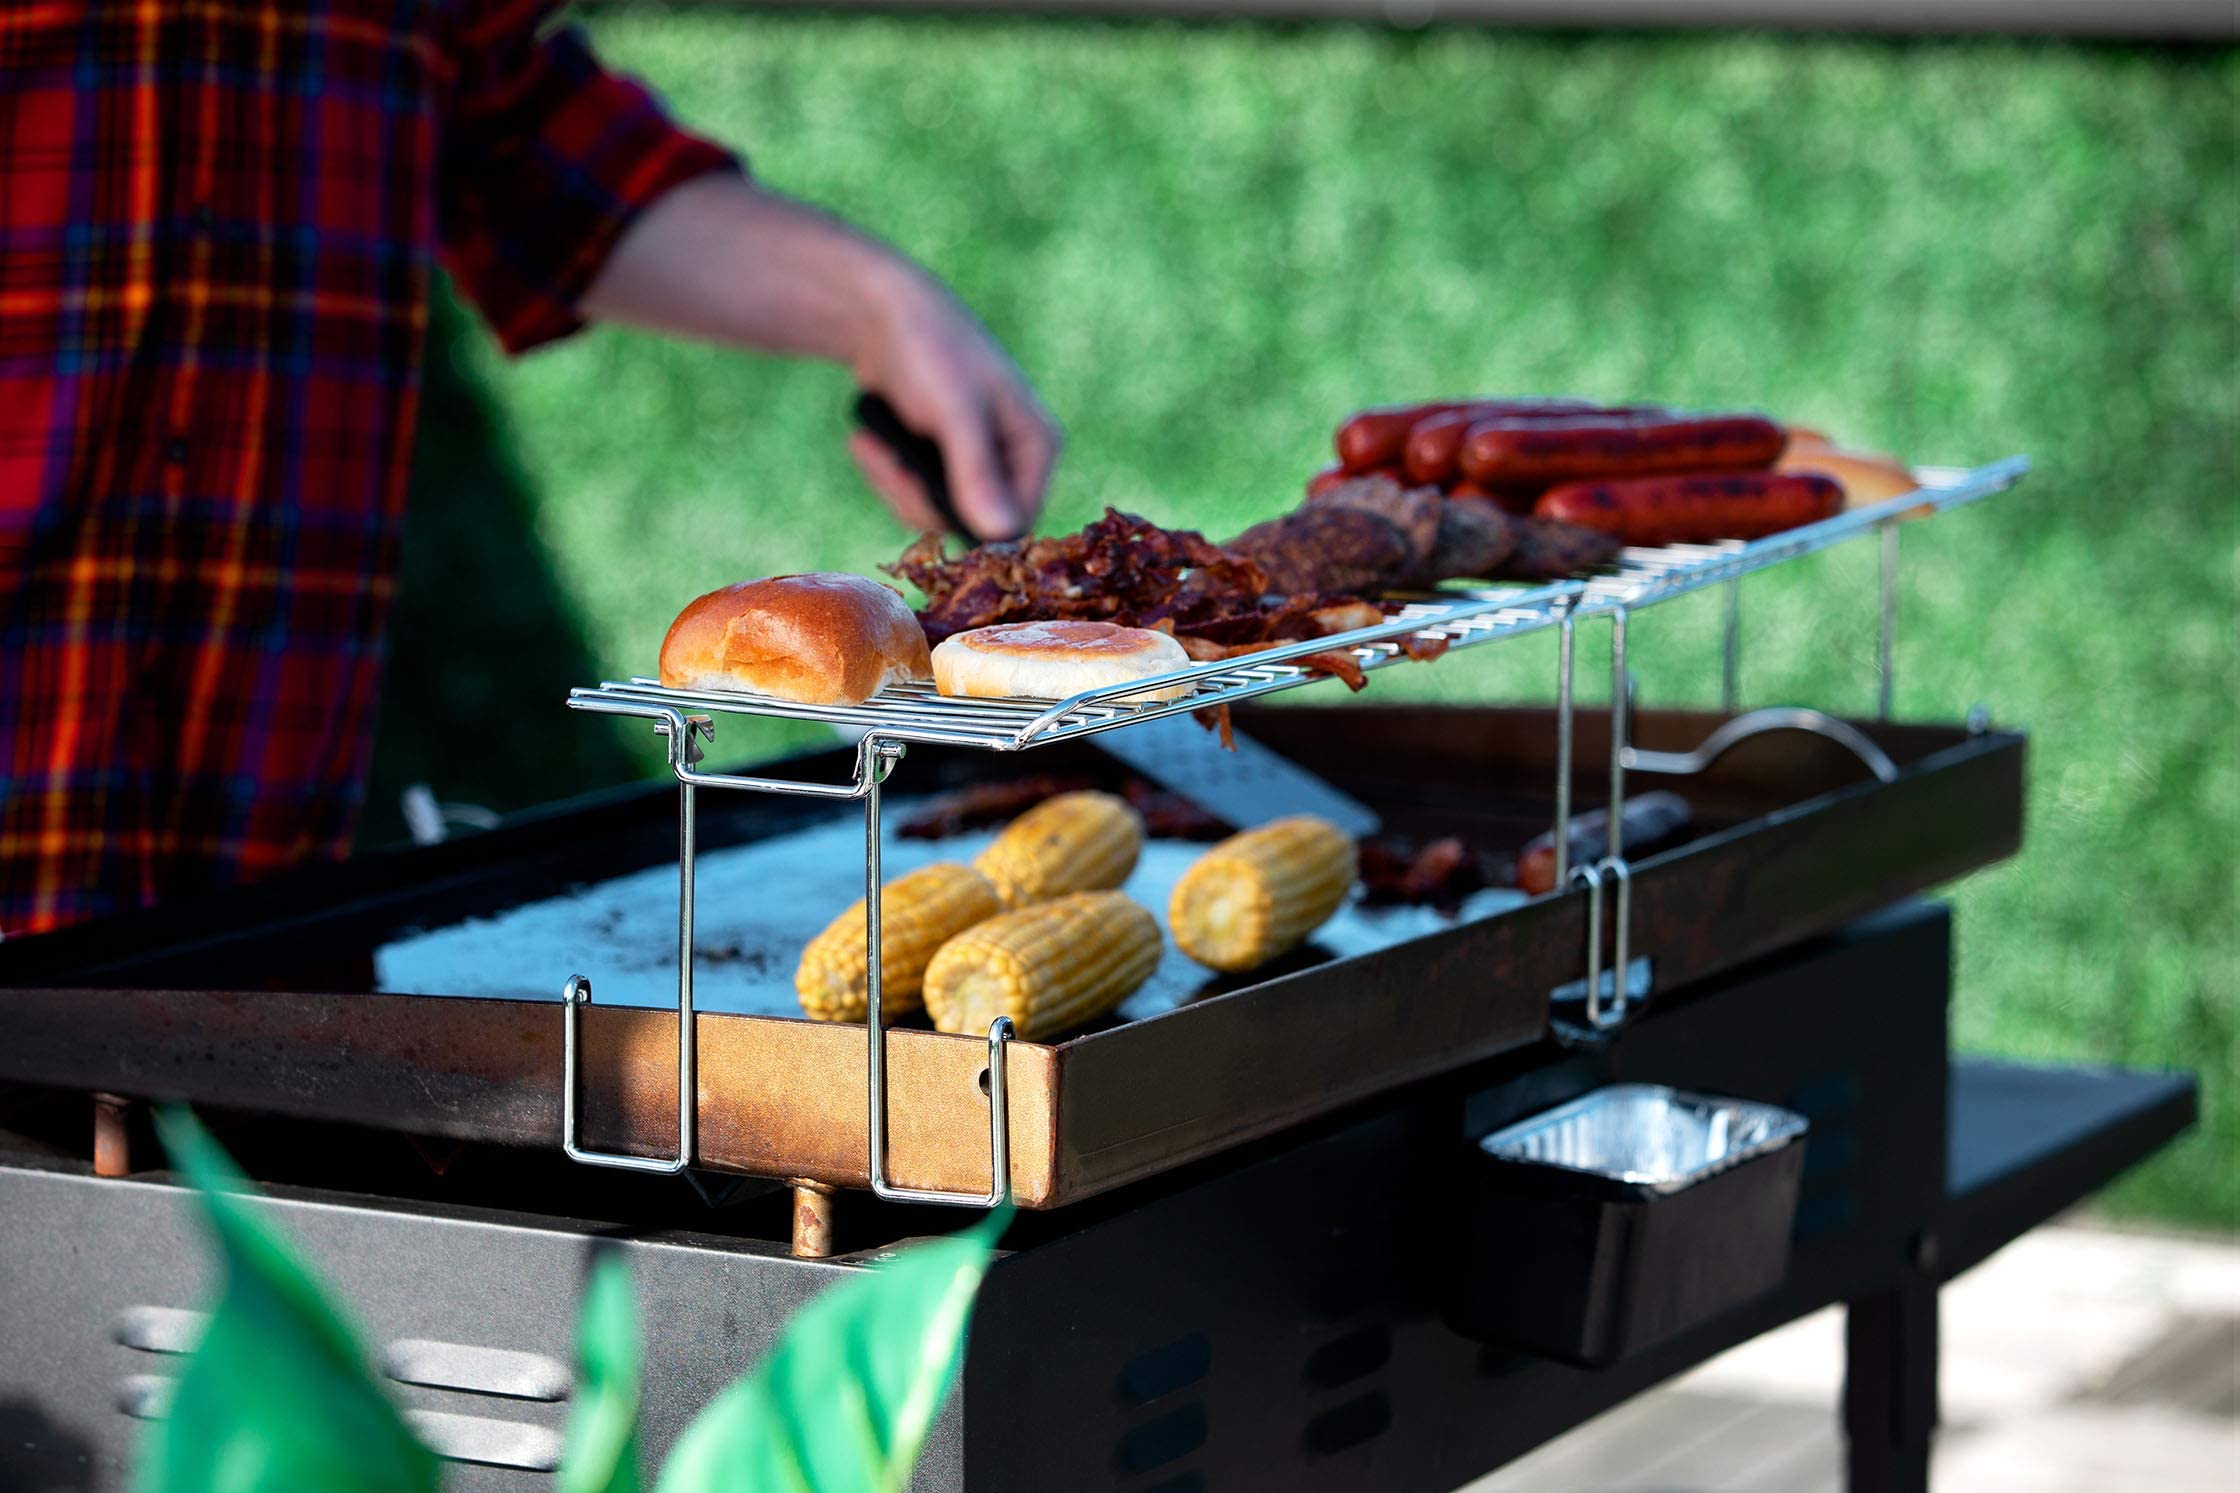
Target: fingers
979,484
891,480
1031,441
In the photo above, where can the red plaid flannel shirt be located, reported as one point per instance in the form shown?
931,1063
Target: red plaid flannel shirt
218,222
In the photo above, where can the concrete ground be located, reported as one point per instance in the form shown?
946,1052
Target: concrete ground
2080,1359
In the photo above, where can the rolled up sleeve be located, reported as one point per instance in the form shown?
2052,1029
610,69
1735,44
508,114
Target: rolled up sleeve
547,159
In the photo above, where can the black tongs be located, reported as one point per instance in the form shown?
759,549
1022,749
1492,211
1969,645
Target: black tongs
920,457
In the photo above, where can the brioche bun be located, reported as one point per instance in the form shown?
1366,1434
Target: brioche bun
1865,477
822,639
1052,660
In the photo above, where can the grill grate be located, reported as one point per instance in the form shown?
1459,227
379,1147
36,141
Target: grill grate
1464,619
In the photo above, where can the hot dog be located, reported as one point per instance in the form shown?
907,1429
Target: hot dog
1693,510
1433,445
1379,437
1496,451
1651,821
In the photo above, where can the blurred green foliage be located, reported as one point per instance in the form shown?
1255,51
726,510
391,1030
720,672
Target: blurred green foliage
1207,242
278,1395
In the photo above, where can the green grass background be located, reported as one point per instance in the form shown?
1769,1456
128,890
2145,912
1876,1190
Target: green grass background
1205,242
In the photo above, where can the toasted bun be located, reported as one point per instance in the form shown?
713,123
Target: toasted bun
818,639
1051,660
1865,478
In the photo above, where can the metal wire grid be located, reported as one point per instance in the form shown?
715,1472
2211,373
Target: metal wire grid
1639,578
915,713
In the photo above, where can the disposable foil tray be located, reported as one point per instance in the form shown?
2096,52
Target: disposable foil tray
1627,1217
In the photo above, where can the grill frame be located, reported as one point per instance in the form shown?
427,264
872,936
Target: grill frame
899,716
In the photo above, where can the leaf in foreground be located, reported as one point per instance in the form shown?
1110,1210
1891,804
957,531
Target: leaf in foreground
277,1396
843,1402
602,1451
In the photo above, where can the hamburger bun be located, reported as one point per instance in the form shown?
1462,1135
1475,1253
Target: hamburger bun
1865,477
1052,660
823,639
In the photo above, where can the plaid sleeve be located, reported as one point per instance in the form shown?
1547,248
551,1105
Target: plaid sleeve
547,159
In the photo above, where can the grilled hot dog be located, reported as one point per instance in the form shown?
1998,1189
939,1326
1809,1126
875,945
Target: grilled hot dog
1379,437
1694,510
1433,445
1652,821
1497,451
1434,449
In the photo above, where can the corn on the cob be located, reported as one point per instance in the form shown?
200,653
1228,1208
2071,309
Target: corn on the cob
1047,967
1260,893
918,913
1075,842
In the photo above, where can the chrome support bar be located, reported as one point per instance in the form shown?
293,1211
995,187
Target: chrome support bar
1886,678
1758,723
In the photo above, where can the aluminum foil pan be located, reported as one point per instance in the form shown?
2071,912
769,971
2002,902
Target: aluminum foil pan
1646,1135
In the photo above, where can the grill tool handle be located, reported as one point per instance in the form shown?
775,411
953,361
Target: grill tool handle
919,456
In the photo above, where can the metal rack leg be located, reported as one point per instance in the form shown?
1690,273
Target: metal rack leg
1730,651
1890,1386
1886,682
878,760
1566,639
1621,727
577,994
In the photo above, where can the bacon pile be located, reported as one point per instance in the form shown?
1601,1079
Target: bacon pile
1125,570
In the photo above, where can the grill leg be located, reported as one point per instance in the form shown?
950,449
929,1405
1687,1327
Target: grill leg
112,1136
1890,1386
812,1219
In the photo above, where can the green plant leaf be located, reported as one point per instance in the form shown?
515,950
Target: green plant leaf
602,1451
843,1402
277,1396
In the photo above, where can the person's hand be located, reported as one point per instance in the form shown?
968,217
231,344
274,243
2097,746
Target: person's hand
950,381
726,260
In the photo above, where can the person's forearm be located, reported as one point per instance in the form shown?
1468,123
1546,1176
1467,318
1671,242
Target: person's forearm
723,260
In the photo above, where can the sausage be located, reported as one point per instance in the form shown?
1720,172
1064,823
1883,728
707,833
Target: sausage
1549,451
1322,481
1433,445
1652,822
1379,437
1694,510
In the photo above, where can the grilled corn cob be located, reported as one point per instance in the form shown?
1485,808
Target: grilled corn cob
1260,893
1047,967
1075,842
918,913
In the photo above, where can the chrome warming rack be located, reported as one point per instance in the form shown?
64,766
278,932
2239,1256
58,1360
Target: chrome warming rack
901,715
